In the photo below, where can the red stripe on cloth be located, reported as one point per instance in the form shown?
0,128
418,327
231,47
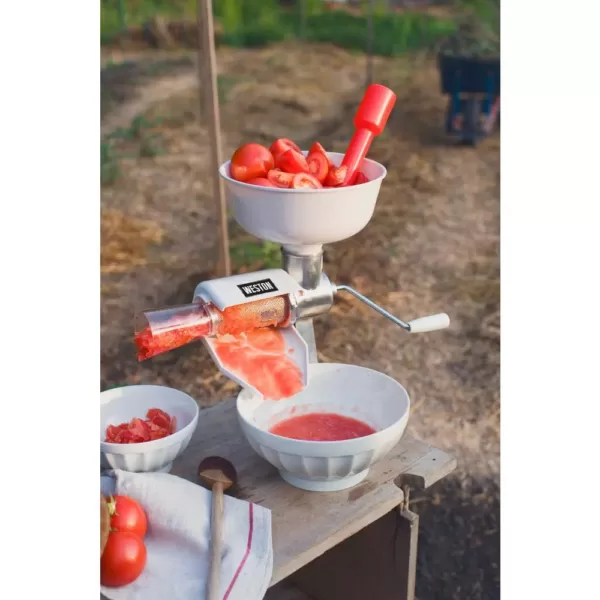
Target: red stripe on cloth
245,558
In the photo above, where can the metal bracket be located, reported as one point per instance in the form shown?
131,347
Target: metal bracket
406,501
306,329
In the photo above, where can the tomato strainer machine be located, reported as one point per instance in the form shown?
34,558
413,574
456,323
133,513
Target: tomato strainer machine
302,221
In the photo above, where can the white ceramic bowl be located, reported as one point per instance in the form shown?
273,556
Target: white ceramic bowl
305,217
348,390
120,405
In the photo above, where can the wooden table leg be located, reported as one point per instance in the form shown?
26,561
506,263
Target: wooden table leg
377,563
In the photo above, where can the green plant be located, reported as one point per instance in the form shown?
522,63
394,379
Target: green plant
146,144
231,17
381,7
395,33
260,22
484,14
122,11
313,7
249,254
251,23
113,13
137,129
478,30
109,164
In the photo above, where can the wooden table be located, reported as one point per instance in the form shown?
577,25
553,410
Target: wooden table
354,544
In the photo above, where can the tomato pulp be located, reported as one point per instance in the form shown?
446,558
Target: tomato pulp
259,358
322,427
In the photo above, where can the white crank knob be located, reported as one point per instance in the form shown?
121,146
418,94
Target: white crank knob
429,323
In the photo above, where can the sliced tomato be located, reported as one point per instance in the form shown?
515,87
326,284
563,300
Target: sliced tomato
250,161
263,181
305,180
336,176
280,179
112,431
291,161
158,424
316,148
281,145
159,417
361,178
140,430
318,165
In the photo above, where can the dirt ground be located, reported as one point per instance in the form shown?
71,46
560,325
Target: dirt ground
432,246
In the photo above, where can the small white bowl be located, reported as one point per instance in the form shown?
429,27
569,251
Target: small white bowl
120,405
348,390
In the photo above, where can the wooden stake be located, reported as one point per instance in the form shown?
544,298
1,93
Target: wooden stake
206,31
201,67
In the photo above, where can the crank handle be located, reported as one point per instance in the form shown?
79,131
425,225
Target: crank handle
429,323
420,325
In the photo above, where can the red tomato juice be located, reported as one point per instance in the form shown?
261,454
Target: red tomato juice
322,427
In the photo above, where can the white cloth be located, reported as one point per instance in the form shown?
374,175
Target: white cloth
178,541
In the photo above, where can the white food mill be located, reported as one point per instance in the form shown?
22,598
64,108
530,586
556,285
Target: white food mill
302,221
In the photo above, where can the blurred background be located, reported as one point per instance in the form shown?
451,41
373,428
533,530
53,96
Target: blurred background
298,69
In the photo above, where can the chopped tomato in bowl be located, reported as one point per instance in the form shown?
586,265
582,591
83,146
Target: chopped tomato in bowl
145,427
157,424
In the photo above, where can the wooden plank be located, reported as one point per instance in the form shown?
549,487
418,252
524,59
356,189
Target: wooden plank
306,524
212,119
378,562
429,468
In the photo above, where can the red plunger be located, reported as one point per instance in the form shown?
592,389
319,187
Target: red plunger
369,121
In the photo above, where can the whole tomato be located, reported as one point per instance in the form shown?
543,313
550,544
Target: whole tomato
123,559
127,515
251,161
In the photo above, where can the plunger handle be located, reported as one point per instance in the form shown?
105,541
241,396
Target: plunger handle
369,121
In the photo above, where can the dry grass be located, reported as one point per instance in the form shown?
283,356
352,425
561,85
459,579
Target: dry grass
126,241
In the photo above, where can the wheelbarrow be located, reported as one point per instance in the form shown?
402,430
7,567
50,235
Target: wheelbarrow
473,89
